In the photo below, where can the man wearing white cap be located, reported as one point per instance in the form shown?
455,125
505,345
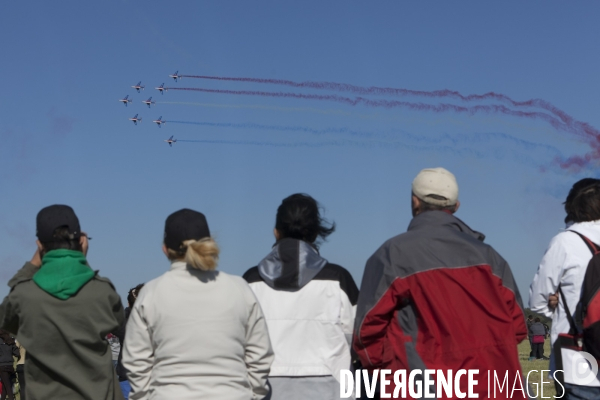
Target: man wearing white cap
438,298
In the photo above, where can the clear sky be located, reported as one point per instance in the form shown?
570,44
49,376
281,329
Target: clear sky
65,138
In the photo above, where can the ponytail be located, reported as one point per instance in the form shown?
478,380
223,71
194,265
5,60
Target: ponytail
202,254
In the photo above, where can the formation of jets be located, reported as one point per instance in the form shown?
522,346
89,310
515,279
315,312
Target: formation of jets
160,122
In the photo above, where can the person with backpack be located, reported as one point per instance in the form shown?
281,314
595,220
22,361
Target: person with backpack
557,286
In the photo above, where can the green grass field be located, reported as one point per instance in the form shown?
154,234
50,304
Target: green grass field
535,377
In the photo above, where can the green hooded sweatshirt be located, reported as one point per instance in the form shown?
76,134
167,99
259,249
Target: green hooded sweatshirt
63,273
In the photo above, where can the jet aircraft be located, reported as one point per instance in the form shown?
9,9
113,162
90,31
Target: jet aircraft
126,100
175,76
138,86
159,121
136,119
171,141
149,102
161,88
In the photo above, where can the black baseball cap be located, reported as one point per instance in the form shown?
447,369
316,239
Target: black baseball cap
52,217
183,225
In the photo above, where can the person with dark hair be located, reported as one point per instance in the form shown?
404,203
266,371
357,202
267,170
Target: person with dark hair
194,332
309,305
61,310
121,372
8,350
438,297
563,268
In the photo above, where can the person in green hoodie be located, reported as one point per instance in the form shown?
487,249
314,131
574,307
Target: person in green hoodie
61,311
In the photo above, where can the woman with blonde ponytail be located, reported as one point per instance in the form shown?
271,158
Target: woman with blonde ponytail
195,332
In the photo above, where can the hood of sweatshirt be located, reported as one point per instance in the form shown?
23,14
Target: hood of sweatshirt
63,273
291,264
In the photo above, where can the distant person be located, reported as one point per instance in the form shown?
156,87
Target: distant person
538,338
196,333
437,297
61,311
530,322
121,372
563,267
8,350
309,305
21,371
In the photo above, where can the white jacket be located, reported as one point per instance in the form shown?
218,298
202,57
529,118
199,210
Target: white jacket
309,306
197,335
564,264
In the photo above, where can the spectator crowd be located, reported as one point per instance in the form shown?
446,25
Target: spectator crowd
434,297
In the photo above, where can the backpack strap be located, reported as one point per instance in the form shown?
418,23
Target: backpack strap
573,326
594,248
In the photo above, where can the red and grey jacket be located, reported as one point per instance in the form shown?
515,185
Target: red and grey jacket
437,297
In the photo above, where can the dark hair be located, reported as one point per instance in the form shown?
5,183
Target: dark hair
583,201
133,294
537,320
298,217
63,239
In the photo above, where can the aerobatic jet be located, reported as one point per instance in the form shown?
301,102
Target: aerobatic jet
126,100
138,86
149,102
159,121
161,88
171,141
175,76
136,119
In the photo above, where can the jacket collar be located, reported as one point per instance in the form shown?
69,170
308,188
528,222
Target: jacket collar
429,219
178,265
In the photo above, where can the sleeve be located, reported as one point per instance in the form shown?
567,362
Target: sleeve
258,352
15,351
380,296
547,278
138,352
511,295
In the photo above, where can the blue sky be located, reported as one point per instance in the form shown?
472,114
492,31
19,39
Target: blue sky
66,138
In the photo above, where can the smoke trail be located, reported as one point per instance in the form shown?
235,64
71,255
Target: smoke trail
443,107
281,128
579,128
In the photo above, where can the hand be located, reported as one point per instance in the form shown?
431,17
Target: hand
85,244
37,258
553,301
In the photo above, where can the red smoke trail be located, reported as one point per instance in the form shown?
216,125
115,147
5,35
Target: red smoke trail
564,122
